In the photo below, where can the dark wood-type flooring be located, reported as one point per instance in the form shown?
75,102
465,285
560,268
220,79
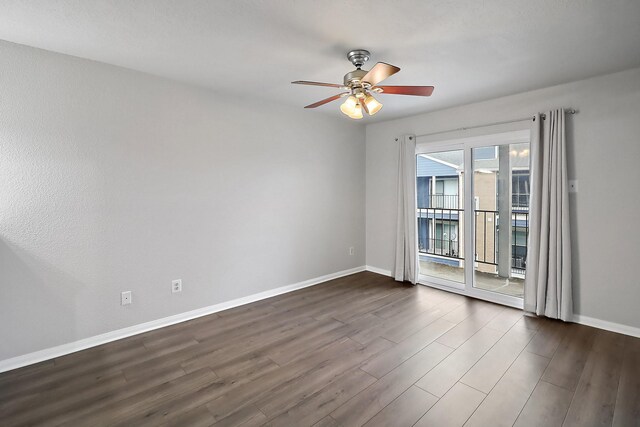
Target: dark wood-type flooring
360,350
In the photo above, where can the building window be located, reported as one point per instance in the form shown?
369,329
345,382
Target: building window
520,189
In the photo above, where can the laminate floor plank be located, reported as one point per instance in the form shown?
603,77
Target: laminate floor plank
248,416
361,349
186,403
595,396
548,338
360,304
503,404
217,356
35,369
363,324
440,379
387,361
319,404
244,367
339,294
284,396
303,344
467,307
547,406
454,408
372,400
403,323
102,355
327,422
230,322
234,400
61,400
91,368
198,417
406,410
348,314
627,409
485,374
402,331
416,303
470,325
360,281
16,395
506,319
132,388
196,398
124,409
330,288
569,359
532,322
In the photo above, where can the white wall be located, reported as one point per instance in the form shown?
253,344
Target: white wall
114,180
604,155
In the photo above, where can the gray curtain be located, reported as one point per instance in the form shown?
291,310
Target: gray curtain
406,245
547,288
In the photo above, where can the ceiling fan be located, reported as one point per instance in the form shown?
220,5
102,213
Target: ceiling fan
361,84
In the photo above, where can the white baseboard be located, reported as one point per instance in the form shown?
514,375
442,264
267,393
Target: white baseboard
378,270
608,326
72,347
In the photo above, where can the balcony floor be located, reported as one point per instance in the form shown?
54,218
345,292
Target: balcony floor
491,282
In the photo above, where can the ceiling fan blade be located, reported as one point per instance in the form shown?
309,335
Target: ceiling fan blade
379,72
407,90
325,101
304,82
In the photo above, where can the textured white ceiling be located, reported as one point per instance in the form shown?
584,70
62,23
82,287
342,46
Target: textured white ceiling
468,49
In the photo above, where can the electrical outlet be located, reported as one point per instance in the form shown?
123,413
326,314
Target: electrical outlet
126,298
352,251
176,286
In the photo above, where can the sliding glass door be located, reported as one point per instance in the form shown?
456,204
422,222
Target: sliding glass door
473,215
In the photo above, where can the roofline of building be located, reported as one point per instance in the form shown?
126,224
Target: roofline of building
451,165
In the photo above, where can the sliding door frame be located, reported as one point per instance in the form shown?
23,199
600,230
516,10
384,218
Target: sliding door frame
467,144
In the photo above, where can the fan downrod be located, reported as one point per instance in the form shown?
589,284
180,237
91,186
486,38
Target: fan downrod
358,57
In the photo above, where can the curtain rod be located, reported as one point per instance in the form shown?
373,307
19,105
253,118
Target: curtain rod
543,116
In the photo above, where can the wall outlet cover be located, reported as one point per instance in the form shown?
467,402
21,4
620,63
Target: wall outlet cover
176,286
573,186
126,298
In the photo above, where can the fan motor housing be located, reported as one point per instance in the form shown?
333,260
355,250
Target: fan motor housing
354,77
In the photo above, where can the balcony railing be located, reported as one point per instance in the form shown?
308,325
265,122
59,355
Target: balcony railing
487,225
446,244
443,247
488,228
446,201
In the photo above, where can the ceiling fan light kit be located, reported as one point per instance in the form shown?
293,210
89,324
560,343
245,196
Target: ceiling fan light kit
349,105
373,106
360,84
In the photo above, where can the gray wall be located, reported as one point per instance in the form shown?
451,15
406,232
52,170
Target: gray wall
114,180
604,155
